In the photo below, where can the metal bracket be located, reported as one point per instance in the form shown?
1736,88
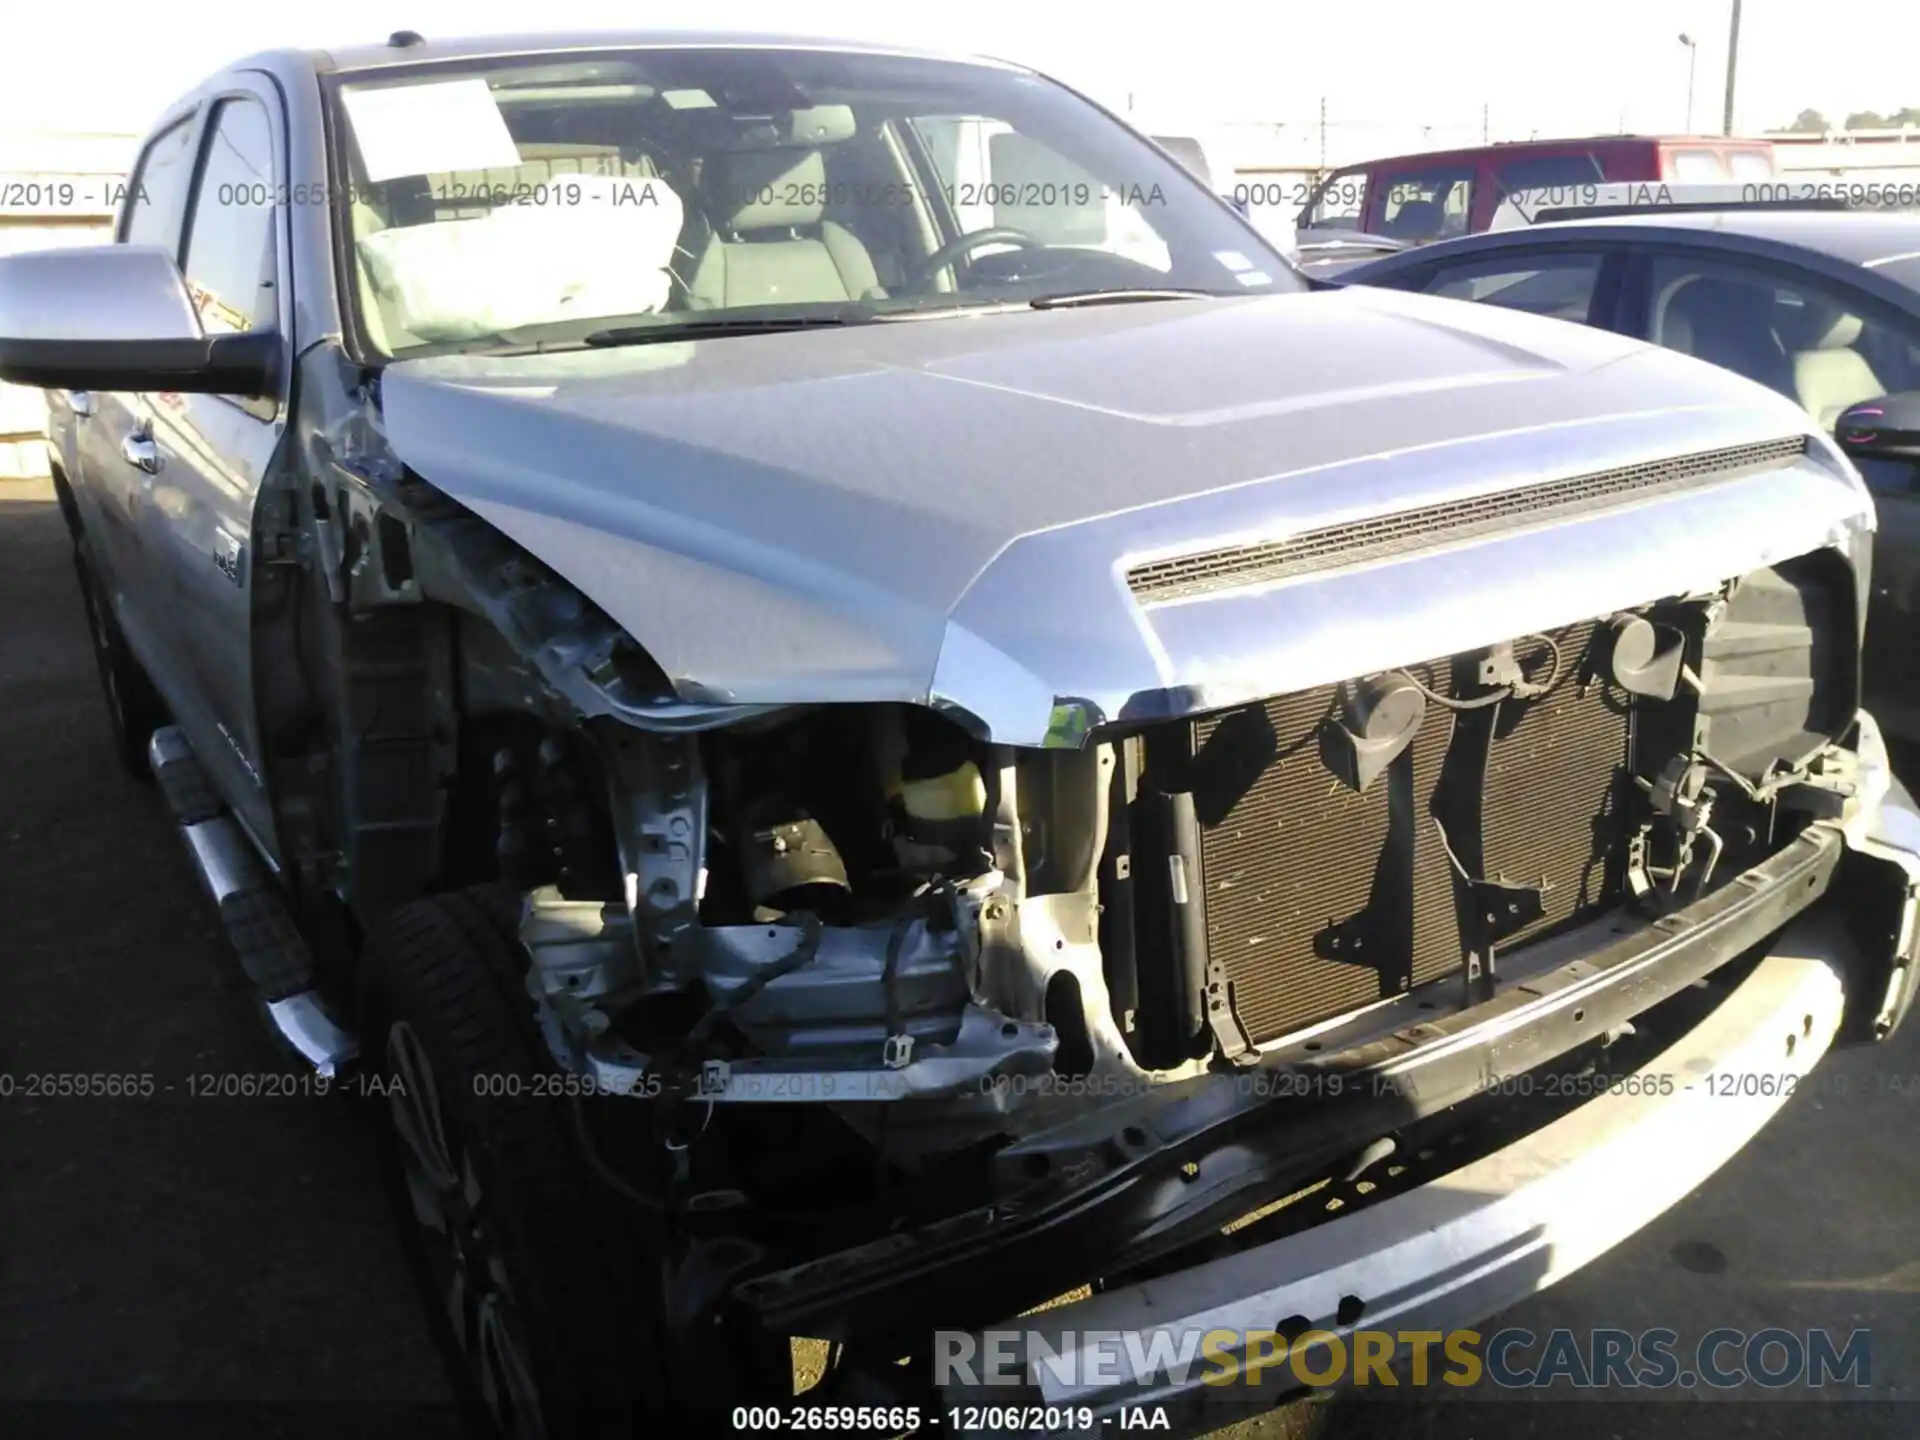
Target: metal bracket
1235,1043
1496,909
1499,910
659,805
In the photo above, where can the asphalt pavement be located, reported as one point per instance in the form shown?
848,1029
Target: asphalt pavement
194,1263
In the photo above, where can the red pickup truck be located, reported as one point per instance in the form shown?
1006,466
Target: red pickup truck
1415,198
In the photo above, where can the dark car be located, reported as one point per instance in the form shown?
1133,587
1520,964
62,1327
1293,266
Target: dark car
1823,307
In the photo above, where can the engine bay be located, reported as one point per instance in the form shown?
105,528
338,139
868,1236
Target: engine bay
949,943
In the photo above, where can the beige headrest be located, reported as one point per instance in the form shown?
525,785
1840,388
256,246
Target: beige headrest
765,189
1817,324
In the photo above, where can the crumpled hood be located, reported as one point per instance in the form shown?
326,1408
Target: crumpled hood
944,510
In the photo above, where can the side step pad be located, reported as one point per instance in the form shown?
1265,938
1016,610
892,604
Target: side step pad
252,909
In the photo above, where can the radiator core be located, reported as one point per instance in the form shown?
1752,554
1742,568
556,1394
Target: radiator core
1319,900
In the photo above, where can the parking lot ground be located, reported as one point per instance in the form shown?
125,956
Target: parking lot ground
221,1265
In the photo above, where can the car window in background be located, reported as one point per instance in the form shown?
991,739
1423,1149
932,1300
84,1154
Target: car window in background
1339,205
228,258
1558,286
1427,204
1547,171
1745,165
1814,341
1695,165
157,193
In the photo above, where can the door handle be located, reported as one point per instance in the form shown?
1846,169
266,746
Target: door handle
80,402
140,452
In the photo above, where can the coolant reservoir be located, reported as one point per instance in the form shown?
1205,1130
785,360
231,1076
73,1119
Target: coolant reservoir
958,794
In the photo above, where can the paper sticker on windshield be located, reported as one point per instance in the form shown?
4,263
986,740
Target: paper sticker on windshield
1233,259
426,129
1255,277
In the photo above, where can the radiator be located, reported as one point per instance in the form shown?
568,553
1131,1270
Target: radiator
1318,900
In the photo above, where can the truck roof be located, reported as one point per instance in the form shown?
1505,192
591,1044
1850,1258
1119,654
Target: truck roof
382,54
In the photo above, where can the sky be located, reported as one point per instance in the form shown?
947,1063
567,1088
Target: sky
1566,68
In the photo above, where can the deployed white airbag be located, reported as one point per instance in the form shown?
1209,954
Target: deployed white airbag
585,246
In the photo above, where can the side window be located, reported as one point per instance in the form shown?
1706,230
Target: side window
1547,172
1427,204
1748,165
1340,203
229,255
150,213
1812,340
994,175
1558,286
1688,166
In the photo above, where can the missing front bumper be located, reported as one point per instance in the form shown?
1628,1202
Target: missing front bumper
1446,1254
1150,1173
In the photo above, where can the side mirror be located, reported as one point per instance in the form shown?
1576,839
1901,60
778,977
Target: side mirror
118,317
1887,427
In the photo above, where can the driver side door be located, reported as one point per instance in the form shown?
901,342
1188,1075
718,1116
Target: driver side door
113,431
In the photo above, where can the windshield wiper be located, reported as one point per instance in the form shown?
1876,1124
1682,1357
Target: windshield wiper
725,325
1114,297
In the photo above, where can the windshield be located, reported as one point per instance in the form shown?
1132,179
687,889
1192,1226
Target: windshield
549,201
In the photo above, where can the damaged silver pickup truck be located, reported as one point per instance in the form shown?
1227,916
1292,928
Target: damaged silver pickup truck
868,712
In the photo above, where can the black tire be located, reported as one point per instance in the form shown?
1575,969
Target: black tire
134,707
441,1019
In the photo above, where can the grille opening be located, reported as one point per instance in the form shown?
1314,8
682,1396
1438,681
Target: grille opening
1319,890
1317,900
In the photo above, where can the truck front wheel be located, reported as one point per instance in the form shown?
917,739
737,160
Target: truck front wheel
527,1281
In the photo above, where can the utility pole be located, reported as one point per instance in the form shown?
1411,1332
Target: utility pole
1693,54
1733,58
1323,132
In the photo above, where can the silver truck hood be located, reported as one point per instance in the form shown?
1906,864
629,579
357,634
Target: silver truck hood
944,510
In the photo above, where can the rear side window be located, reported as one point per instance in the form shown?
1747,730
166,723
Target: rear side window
1547,171
1693,165
158,192
1560,287
1427,204
1748,165
1339,204
229,256
1806,336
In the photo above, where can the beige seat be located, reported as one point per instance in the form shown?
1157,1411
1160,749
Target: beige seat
772,242
1726,323
1829,375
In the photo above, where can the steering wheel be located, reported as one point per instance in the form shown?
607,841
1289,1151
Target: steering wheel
963,245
